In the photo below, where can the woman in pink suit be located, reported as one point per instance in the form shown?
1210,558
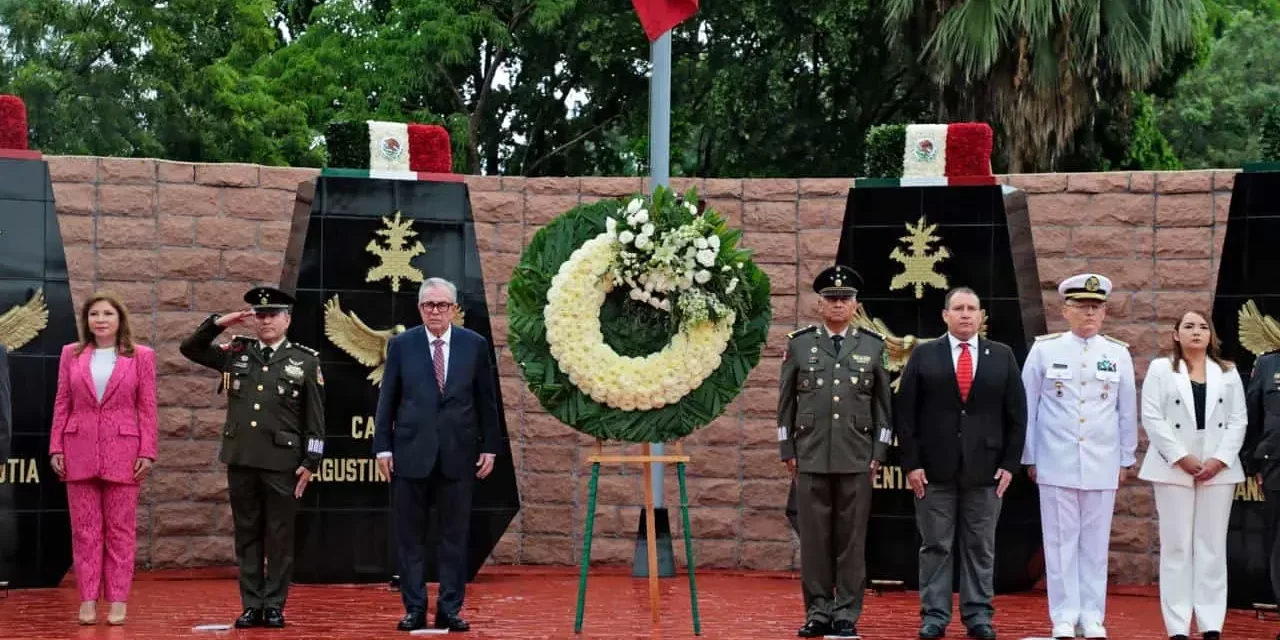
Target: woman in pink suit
102,445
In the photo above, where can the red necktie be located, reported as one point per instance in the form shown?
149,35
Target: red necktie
438,356
964,371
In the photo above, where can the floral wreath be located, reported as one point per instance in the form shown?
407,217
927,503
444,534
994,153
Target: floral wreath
637,321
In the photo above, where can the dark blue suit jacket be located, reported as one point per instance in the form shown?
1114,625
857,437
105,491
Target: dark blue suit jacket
418,424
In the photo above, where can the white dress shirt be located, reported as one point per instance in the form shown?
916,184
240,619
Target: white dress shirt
101,365
955,352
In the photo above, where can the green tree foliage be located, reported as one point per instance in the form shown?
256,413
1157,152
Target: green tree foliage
1034,68
1213,116
140,78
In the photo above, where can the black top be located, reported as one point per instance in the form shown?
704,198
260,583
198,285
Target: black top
1197,392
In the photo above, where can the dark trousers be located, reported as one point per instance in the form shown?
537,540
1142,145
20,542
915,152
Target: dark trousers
1273,535
833,511
412,499
954,519
264,511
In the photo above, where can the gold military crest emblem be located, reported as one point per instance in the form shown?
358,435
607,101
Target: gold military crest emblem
395,257
919,262
1259,333
23,322
346,330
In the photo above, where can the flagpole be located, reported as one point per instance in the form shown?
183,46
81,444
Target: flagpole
659,176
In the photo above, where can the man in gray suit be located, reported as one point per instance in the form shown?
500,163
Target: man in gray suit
961,417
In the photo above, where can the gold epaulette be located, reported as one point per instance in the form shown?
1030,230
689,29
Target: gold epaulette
1048,336
1119,342
801,331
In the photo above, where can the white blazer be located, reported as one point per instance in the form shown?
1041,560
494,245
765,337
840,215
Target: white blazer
1168,417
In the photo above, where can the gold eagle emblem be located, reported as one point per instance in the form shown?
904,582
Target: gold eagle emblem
898,348
366,345
1259,333
22,323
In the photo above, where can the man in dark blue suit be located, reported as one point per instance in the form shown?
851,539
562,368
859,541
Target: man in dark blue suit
436,431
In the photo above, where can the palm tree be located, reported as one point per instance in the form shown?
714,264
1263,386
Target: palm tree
1036,69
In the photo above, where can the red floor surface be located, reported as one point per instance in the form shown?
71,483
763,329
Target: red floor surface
507,602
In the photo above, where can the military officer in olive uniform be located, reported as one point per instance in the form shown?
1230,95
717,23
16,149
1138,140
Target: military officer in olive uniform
272,441
1261,455
834,429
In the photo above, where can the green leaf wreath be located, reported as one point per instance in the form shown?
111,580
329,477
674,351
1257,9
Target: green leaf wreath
651,307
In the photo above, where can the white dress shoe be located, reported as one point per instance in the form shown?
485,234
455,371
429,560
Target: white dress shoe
1095,630
1063,630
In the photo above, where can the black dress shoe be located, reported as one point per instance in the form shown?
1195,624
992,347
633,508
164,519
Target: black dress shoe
1180,636
452,623
814,629
273,618
982,632
932,631
1212,635
250,618
844,629
413,620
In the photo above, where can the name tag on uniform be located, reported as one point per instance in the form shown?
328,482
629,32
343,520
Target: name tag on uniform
1109,376
1058,371
860,359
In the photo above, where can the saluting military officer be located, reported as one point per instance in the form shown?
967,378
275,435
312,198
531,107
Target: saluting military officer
272,441
834,430
1082,437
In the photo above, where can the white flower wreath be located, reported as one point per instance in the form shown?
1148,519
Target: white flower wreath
572,318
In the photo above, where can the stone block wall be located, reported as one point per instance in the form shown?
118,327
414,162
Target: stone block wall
179,241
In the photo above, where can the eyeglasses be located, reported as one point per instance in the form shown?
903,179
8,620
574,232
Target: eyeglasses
438,307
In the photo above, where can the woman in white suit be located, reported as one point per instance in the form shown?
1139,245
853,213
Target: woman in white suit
1194,414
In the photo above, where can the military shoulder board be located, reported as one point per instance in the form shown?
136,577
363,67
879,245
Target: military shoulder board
303,347
1119,342
802,331
871,333
1048,336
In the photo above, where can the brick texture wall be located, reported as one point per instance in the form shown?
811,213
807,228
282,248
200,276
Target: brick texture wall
179,241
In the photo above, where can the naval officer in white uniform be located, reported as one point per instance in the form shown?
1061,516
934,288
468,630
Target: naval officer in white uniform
1082,435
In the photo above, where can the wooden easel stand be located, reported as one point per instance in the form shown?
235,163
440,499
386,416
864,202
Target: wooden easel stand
646,459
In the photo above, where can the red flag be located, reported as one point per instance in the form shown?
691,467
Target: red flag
659,16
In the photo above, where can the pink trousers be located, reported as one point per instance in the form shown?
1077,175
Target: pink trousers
103,536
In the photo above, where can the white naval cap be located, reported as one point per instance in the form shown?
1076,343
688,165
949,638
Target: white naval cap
1085,286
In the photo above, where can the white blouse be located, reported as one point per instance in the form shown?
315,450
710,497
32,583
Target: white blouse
101,366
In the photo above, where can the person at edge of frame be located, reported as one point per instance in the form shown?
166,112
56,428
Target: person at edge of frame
1261,457
272,441
961,416
834,429
1082,439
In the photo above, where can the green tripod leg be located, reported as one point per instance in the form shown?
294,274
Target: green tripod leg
586,544
688,550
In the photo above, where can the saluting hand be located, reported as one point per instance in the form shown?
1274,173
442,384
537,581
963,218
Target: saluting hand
304,476
486,465
233,318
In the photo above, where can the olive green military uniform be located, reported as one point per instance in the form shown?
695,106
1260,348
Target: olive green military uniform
834,419
275,424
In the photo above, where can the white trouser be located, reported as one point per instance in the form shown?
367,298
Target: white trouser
1193,555
1077,535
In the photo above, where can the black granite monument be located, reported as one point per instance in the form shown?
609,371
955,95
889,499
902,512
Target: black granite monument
359,249
1247,272
896,238
36,319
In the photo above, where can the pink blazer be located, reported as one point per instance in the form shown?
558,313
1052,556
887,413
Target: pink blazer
105,439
